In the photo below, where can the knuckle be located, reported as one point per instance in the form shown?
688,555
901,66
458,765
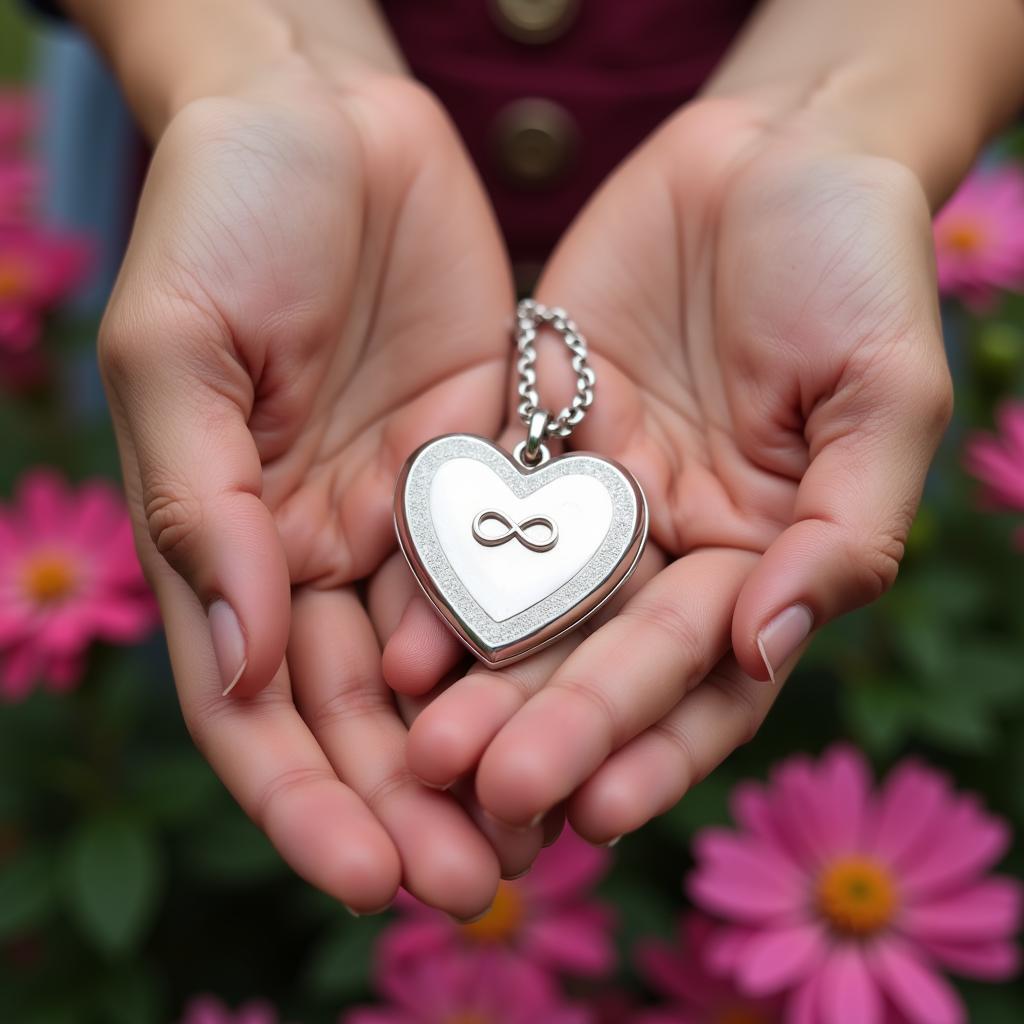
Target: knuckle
283,785
175,521
673,730
393,781
875,563
599,701
355,698
735,688
673,622
204,715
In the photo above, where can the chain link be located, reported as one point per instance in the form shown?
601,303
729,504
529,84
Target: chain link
530,316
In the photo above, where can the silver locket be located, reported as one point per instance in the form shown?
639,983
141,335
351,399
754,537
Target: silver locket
516,550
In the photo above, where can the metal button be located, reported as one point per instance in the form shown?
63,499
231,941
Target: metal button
534,21
535,141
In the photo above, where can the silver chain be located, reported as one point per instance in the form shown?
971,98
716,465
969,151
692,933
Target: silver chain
530,316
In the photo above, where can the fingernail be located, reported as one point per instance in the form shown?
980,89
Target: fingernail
537,819
779,640
434,785
611,843
470,920
228,643
350,910
520,874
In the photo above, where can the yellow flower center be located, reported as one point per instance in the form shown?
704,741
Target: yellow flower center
49,578
857,895
964,237
14,278
502,921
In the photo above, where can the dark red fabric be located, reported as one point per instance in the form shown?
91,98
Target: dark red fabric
620,70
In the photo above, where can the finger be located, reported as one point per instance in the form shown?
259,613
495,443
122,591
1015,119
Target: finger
652,772
335,663
451,734
624,678
180,400
459,724
870,447
419,649
267,757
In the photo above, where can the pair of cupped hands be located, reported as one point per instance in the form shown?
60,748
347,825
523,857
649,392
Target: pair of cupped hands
315,286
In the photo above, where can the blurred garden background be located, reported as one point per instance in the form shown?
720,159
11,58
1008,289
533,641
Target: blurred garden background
855,862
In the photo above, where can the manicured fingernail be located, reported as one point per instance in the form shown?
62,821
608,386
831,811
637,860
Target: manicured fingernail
228,643
779,640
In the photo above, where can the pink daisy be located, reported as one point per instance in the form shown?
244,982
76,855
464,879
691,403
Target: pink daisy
19,183
37,269
979,236
681,972
547,918
210,1010
997,460
68,575
850,901
463,987
18,112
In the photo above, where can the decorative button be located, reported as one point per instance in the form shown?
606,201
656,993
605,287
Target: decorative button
534,21
535,141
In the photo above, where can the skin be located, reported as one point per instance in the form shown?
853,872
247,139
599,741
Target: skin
267,375
770,366
315,286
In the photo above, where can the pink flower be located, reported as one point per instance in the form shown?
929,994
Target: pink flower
37,268
545,918
210,1010
17,117
68,574
850,900
998,461
681,973
979,236
19,184
463,986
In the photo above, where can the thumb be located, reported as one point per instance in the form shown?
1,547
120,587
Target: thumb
870,444
180,400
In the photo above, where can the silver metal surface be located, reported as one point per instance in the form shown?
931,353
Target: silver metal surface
530,315
506,599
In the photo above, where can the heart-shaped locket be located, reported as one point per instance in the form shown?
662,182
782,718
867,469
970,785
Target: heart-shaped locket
512,556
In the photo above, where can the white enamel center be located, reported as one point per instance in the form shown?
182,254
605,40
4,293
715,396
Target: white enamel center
508,578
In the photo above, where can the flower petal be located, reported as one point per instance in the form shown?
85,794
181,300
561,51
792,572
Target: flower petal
567,868
576,940
848,992
989,961
912,797
778,958
923,996
989,910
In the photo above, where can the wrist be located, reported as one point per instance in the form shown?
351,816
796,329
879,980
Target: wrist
169,55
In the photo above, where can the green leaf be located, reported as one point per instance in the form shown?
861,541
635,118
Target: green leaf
340,966
27,893
113,881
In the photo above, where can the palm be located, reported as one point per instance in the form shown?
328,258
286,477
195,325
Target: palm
315,252
761,315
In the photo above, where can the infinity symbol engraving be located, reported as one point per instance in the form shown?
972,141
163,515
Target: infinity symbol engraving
516,530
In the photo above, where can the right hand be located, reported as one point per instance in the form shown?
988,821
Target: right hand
314,286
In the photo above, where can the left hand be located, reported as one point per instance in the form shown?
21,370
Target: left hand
761,309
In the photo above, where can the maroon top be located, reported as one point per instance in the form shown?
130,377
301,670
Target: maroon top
618,69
